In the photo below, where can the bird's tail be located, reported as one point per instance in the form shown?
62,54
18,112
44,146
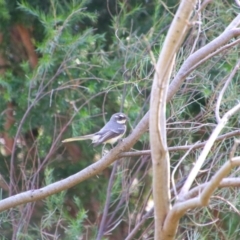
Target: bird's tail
80,138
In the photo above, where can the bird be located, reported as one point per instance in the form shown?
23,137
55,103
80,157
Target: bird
113,130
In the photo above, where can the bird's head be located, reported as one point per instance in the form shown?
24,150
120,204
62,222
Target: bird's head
120,118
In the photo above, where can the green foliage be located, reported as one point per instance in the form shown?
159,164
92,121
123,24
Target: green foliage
75,226
5,16
95,58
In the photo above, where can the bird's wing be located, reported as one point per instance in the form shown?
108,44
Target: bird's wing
105,136
112,127
80,138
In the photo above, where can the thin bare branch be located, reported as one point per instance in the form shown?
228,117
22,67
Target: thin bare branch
103,226
182,148
229,203
226,182
180,208
229,79
194,60
175,169
206,149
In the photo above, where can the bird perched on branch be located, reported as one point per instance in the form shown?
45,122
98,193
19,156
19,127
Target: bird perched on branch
113,130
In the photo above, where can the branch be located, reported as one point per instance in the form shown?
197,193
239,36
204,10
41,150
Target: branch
224,89
102,226
206,149
157,123
97,167
182,148
203,54
180,208
90,171
226,182
197,58
9,122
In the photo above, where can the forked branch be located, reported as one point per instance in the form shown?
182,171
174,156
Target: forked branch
157,121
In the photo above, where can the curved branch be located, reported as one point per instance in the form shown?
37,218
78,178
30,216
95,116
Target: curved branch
206,149
102,226
226,182
180,208
199,57
203,54
157,123
90,171
219,99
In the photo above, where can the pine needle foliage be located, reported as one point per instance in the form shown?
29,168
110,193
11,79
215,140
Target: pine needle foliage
92,59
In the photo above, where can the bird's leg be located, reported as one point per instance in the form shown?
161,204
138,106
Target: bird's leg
104,152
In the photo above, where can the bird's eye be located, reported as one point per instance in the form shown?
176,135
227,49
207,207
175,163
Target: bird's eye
121,117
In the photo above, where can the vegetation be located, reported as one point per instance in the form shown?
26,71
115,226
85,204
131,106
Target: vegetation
66,67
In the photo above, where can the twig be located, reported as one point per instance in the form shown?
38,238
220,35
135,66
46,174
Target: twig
224,89
180,208
107,203
207,148
182,148
229,203
175,169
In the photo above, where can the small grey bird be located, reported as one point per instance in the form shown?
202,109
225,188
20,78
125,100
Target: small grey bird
114,129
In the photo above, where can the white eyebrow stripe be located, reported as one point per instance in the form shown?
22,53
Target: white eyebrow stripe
121,121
